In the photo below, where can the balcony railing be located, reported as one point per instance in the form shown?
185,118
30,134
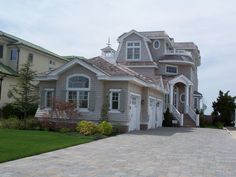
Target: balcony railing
178,52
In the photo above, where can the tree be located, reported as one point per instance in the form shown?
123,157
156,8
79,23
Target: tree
24,94
105,109
224,108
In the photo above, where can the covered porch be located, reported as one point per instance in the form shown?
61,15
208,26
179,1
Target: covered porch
181,100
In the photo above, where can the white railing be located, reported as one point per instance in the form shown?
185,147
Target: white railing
178,52
178,115
193,115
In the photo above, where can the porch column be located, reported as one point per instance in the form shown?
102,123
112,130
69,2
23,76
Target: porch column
171,96
186,98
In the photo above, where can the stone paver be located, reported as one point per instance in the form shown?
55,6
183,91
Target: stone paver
165,152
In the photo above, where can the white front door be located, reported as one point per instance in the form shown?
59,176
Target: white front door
134,113
152,113
159,110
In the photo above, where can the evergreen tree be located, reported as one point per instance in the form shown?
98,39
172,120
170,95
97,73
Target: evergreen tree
24,94
224,108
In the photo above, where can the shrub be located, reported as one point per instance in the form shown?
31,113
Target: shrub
117,129
24,124
87,128
219,125
105,128
65,130
167,122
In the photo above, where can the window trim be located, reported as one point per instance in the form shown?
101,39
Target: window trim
77,91
154,44
195,98
126,50
46,90
79,75
30,54
177,69
17,53
110,101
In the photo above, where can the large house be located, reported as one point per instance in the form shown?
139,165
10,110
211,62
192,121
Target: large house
148,73
13,53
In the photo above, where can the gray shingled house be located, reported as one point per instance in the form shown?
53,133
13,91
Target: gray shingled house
148,73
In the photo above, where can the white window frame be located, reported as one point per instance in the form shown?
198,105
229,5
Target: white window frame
126,54
170,73
154,44
110,101
46,90
77,90
17,54
195,98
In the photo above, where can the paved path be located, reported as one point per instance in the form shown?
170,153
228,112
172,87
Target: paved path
165,152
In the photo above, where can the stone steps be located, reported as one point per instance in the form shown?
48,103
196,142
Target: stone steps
188,122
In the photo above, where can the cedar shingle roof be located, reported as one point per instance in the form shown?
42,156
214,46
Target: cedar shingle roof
138,63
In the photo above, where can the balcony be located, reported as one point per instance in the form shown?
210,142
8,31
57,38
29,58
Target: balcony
178,52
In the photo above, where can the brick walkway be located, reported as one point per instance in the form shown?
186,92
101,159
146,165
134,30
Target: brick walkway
164,152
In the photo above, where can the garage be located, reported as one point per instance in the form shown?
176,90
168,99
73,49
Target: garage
155,113
152,113
134,112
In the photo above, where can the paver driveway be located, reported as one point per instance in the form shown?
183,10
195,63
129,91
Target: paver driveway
154,153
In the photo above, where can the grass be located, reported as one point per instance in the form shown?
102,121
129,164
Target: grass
15,144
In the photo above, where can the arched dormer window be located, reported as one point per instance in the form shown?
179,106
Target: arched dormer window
78,87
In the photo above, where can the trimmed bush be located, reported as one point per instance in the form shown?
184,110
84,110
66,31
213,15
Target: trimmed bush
219,125
87,128
105,128
167,122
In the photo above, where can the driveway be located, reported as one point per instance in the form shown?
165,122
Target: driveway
172,152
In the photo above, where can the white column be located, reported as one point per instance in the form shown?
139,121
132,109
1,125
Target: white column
171,96
186,98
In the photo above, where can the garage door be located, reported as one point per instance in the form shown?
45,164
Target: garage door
134,113
152,112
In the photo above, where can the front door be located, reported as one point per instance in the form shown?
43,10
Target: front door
152,113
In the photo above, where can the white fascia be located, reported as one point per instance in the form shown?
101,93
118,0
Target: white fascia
176,61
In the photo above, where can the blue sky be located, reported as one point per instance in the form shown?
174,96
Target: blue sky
76,27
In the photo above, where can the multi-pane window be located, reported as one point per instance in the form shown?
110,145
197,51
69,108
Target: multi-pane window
49,94
171,69
14,54
30,58
78,91
1,51
133,50
114,100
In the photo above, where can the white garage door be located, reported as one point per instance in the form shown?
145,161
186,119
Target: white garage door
152,112
134,113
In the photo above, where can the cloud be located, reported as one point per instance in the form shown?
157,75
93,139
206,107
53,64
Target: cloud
76,27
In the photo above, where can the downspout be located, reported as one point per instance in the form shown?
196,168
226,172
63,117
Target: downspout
18,56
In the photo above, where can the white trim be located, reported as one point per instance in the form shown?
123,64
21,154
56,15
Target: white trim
110,100
176,61
181,78
122,37
141,66
72,63
153,44
138,109
79,75
148,50
133,47
170,73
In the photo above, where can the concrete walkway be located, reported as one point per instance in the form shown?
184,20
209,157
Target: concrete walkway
165,152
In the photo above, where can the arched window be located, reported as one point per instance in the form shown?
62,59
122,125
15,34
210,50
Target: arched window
78,87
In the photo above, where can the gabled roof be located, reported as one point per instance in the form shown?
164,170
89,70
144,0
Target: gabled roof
107,48
19,41
124,35
72,57
106,71
7,70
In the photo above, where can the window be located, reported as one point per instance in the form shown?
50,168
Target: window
49,94
156,44
78,91
195,103
171,69
114,99
182,97
52,62
14,54
30,58
133,50
1,51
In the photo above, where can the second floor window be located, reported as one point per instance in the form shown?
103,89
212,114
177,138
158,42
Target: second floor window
133,50
14,54
171,69
30,58
1,51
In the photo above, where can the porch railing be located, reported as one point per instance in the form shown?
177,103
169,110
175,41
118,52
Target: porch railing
178,115
193,115
178,52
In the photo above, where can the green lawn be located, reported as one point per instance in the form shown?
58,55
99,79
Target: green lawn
15,144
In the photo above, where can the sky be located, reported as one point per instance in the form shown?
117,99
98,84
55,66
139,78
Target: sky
82,27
